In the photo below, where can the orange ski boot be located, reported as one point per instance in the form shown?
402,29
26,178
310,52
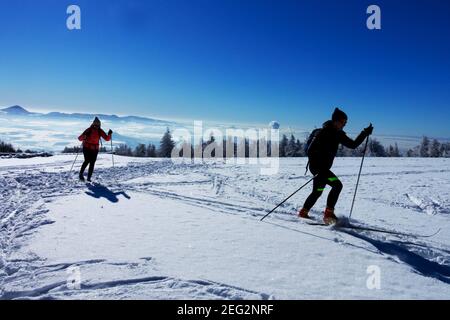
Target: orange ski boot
329,217
303,213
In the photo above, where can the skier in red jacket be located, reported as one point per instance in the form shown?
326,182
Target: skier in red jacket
91,140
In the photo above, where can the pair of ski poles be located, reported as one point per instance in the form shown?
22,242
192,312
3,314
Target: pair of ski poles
78,152
354,196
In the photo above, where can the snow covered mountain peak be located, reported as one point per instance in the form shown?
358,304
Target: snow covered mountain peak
15,110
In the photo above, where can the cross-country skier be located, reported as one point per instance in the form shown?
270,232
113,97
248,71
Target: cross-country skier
91,139
321,149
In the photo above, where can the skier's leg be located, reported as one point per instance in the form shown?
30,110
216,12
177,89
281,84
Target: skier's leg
318,187
85,163
336,188
92,163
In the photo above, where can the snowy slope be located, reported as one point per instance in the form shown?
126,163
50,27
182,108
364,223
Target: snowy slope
153,229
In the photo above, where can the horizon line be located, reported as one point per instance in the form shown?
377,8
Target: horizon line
42,111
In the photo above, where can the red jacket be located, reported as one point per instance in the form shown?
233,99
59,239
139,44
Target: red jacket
91,138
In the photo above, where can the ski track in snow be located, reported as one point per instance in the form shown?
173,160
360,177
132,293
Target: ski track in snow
227,189
150,287
24,194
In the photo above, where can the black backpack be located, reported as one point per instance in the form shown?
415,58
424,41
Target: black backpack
311,139
309,143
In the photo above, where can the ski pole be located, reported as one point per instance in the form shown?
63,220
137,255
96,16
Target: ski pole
112,152
359,174
289,197
71,168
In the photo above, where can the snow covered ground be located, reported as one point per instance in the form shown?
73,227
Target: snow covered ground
153,229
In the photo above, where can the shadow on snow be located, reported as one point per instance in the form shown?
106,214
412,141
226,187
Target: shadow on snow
98,191
420,264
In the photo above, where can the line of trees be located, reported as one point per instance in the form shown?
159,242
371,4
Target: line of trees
6,147
150,150
430,149
292,147
78,149
9,148
141,151
288,147
167,145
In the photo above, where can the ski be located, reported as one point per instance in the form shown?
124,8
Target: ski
372,229
391,231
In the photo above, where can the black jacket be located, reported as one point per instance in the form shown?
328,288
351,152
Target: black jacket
323,150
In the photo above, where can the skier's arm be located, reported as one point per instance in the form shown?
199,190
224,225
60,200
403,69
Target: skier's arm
105,136
352,144
83,136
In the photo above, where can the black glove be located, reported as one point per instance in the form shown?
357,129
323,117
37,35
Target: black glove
110,132
368,131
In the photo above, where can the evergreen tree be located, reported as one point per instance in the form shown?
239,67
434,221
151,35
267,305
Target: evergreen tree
424,147
396,151
6,147
442,150
376,149
291,148
166,145
283,145
299,147
446,150
390,151
123,150
435,149
247,147
140,150
356,152
151,151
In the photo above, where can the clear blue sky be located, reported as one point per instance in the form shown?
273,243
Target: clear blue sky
233,60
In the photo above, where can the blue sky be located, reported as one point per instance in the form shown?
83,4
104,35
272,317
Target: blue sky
235,61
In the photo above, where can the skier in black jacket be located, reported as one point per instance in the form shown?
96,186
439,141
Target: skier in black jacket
321,153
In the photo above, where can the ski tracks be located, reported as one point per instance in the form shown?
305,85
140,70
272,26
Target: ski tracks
25,192
24,195
102,279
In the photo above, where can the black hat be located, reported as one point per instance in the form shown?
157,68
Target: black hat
96,122
338,115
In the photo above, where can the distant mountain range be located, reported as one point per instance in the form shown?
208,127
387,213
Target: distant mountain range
20,111
55,130
15,110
